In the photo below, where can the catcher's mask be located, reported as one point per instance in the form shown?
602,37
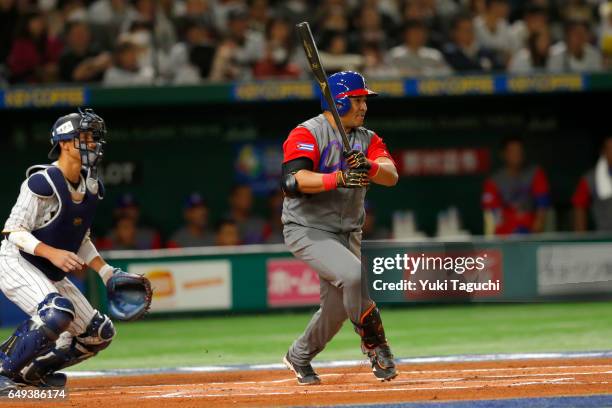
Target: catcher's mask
70,127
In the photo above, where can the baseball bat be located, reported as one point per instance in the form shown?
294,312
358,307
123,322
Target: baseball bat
312,53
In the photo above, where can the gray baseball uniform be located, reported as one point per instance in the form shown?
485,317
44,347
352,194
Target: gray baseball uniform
324,230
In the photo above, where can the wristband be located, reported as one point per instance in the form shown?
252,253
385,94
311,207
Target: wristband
329,181
374,166
106,272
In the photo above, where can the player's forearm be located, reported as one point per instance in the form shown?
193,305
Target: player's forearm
386,174
540,220
25,241
310,182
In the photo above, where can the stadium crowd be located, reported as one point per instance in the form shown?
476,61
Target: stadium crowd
141,42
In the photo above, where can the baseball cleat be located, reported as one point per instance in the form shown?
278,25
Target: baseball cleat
305,374
382,362
53,380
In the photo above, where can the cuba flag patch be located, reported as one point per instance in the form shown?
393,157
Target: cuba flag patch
309,147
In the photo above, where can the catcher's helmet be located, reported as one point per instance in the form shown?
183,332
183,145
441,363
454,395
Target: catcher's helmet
342,86
70,126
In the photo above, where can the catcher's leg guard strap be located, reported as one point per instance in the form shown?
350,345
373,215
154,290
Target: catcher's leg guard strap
35,336
370,328
72,350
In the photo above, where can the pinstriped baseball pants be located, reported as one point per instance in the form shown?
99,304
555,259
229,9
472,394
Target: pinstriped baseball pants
26,286
337,260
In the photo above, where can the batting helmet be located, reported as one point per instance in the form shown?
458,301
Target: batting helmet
70,126
342,86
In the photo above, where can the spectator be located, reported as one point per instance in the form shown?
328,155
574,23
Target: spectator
464,54
605,32
413,58
196,12
146,237
126,69
376,63
150,13
534,57
34,54
368,30
535,20
259,15
81,61
335,56
195,232
595,192
192,58
515,198
277,60
250,227
575,54
493,31
240,50
108,18
122,236
227,233
273,230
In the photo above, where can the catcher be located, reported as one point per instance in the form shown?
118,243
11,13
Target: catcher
46,237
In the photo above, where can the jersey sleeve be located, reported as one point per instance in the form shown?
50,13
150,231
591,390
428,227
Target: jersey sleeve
25,212
490,196
582,195
540,189
378,148
301,143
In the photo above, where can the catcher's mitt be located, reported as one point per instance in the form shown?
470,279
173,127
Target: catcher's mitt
129,295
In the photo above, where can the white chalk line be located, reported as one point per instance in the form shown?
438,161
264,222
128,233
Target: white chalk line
311,390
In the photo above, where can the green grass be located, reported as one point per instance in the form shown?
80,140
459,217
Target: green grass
412,331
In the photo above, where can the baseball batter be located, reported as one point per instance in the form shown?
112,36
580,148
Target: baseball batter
46,237
323,213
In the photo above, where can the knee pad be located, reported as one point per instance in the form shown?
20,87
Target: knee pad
55,313
37,335
370,328
99,333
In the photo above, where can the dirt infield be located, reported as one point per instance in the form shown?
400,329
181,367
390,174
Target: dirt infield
417,382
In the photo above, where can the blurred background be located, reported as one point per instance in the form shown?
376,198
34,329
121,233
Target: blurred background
496,111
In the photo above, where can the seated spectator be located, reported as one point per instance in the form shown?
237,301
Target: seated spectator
34,53
376,64
277,59
369,29
121,237
493,31
534,57
535,20
81,61
195,11
413,58
605,33
595,192
273,230
126,69
575,54
239,51
515,198
146,237
192,58
250,227
464,54
335,55
195,232
108,18
226,233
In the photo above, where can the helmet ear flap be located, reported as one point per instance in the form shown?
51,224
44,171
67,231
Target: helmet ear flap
343,105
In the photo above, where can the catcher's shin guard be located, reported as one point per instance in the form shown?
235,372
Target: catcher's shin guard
36,335
69,351
374,344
